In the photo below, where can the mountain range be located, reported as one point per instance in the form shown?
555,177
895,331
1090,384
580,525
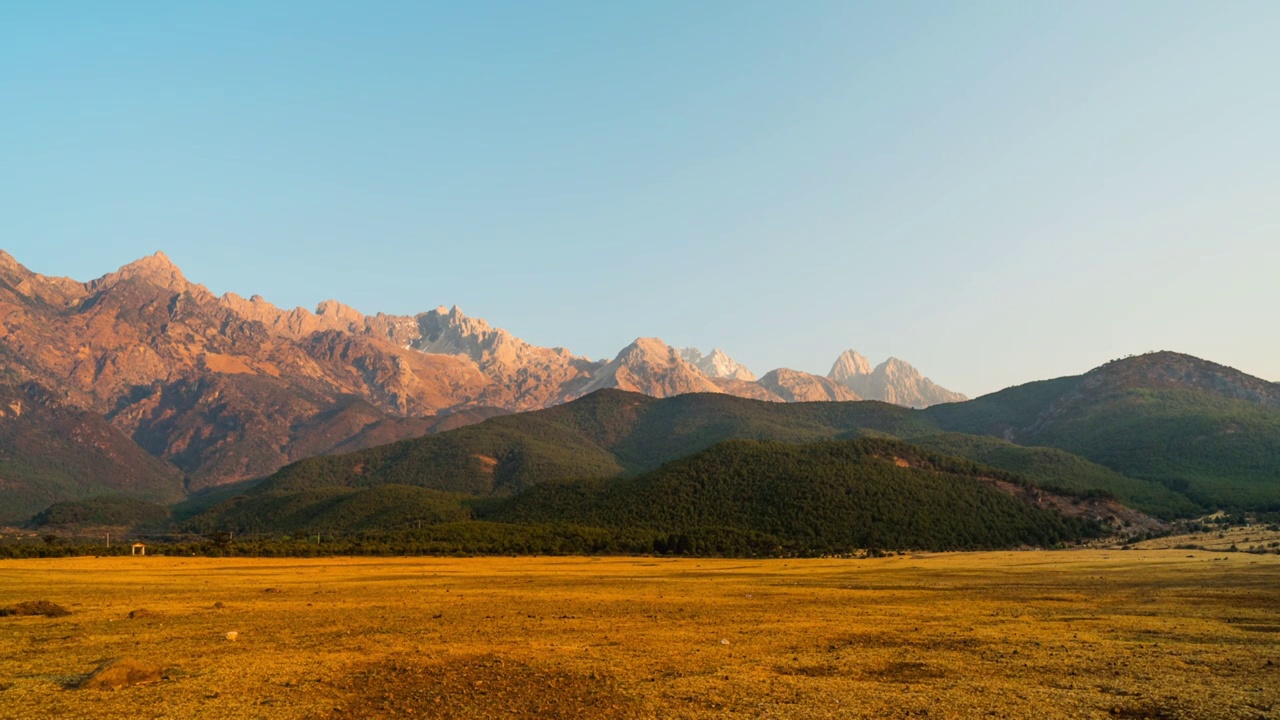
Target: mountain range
222,389
242,416
1163,435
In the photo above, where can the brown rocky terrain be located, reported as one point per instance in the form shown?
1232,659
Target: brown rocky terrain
796,386
224,396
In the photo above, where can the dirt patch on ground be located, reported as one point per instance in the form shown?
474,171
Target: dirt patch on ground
809,670
35,607
905,672
1261,628
479,687
1146,711
120,673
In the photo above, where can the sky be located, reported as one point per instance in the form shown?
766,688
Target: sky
997,192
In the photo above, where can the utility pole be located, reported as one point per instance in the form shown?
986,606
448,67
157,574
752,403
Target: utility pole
108,539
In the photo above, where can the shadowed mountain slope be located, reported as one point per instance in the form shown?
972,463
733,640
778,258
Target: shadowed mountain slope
50,452
606,433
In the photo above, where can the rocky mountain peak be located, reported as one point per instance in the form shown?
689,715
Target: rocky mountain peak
449,331
342,313
155,269
893,367
717,365
850,364
893,381
648,346
652,367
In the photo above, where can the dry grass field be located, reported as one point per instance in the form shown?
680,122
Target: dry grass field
1072,634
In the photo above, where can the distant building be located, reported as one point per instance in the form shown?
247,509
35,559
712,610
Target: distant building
139,549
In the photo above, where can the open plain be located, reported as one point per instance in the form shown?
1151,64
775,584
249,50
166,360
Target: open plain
1046,634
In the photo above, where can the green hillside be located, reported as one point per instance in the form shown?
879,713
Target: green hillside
501,455
113,510
1204,430
1218,452
1054,468
333,510
741,497
604,434
820,497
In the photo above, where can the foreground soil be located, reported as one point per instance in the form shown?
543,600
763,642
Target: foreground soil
1071,634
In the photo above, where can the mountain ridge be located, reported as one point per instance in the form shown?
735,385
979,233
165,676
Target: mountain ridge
227,389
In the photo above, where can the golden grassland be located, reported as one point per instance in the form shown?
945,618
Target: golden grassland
1154,633
1241,537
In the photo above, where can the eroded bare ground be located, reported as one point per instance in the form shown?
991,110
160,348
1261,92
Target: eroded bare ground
1136,634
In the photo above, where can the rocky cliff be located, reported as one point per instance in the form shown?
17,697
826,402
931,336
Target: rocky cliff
717,365
893,381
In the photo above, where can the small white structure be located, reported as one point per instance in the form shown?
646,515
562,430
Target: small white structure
138,549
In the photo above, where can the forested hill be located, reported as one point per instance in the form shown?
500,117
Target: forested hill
607,433
827,497
740,497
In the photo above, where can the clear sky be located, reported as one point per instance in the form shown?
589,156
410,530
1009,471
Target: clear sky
994,191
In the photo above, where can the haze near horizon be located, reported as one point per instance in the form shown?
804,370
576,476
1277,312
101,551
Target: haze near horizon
997,194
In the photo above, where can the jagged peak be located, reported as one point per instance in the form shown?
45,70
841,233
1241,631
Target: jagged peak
691,354
717,364
342,313
452,318
255,302
450,311
850,364
156,269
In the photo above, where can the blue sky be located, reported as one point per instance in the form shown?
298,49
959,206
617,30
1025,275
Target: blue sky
997,191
